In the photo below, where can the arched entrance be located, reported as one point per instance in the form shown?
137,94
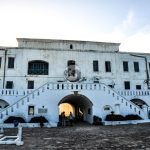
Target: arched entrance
3,104
79,105
139,102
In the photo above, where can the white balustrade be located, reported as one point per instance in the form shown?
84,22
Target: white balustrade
30,94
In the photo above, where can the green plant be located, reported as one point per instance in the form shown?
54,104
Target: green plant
11,119
114,117
38,119
97,120
133,117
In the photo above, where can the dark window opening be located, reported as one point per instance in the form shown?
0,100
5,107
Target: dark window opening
108,66
138,87
89,111
95,65
71,46
9,85
127,85
111,86
30,110
136,66
38,68
11,61
125,66
30,84
106,108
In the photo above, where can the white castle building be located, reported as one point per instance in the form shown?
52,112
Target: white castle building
43,77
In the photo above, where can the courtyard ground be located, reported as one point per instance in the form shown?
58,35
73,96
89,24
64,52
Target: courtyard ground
84,137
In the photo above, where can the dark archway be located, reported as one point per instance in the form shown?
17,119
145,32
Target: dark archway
139,102
3,104
81,106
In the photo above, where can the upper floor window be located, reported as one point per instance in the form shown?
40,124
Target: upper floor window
38,67
11,61
108,66
30,84
95,65
9,85
0,61
136,66
138,87
125,66
127,85
71,46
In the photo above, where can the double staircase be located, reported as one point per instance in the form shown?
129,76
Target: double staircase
17,107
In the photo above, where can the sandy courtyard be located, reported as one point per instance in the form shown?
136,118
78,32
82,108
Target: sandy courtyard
84,137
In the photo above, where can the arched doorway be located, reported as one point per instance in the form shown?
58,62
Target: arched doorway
3,104
79,105
143,105
139,102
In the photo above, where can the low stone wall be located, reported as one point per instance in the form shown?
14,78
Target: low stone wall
27,125
125,122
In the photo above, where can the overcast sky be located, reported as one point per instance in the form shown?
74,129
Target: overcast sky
123,21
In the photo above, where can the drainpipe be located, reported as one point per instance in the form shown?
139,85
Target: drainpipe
4,71
147,74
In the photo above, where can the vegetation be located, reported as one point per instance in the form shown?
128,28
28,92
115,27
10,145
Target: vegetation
116,117
133,117
97,120
38,119
12,119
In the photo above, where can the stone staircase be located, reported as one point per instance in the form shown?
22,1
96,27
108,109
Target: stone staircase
16,107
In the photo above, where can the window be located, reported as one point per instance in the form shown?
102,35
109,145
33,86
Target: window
38,68
149,66
89,111
107,108
9,85
136,66
111,86
11,62
71,46
125,66
0,61
108,66
30,110
95,65
127,85
138,87
30,84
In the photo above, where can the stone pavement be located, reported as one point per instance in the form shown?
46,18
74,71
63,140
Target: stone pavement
85,137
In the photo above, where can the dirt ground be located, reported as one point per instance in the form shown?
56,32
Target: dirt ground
84,137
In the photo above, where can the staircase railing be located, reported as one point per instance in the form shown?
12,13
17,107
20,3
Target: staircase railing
127,101
71,86
26,96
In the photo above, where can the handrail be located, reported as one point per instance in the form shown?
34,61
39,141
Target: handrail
48,83
134,92
23,97
33,92
122,96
